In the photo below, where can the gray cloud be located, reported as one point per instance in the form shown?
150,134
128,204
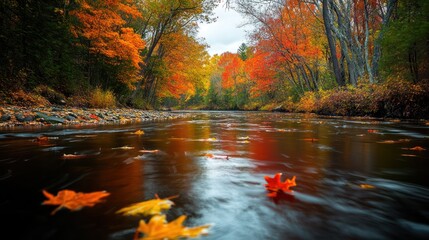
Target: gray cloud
225,34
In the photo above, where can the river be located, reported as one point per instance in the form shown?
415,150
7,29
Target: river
356,178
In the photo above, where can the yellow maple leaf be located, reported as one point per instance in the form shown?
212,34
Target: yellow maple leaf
159,228
146,208
139,132
73,200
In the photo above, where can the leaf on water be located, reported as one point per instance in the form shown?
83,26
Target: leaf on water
389,141
366,186
139,132
147,208
159,228
73,200
209,155
86,136
274,185
74,156
416,148
244,138
124,148
310,139
44,141
149,151
372,131
408,155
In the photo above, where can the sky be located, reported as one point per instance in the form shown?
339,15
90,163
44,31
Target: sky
225,34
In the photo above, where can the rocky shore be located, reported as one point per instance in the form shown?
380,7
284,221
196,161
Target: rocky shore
15,116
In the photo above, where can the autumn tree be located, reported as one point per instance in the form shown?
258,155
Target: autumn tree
103,27
160,18
185,65
288,32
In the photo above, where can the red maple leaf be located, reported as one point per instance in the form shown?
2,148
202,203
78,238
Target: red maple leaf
274,185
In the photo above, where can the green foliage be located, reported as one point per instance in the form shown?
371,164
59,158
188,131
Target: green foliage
405,44
242,52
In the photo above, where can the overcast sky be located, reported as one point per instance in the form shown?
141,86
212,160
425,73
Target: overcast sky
225,34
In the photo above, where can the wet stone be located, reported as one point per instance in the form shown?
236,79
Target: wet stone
5,118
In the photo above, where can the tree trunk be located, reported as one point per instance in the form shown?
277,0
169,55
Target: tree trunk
377,44
331,42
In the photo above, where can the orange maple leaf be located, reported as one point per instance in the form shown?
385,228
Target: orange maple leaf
73,200
274,185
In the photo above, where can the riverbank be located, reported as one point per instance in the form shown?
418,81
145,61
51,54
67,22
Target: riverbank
16,116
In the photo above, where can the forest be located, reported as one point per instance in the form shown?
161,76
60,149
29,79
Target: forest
333,57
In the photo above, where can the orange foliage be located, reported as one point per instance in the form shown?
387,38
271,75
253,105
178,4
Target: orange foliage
73,200
233,69
102,23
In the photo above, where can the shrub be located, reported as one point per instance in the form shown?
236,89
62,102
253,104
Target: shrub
22,98
307,103
102,99
350,101
401,99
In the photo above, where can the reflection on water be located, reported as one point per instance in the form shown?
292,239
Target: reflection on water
216,162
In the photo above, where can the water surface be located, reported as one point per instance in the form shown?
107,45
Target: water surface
333,160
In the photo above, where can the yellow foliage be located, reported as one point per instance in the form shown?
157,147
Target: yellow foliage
102,99
146,208
159,228
307,103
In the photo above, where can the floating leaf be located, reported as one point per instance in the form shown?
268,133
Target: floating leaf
78,156
274,185
159,228
366,186
44,141
149,151
74,156
146,208
310,139
244,138
372,131
389,141
139,132
124,148
86,136
416,148
73,200
408,155
209,155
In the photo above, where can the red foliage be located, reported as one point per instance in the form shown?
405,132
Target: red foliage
274,185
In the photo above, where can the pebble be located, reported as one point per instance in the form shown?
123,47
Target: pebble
15,116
